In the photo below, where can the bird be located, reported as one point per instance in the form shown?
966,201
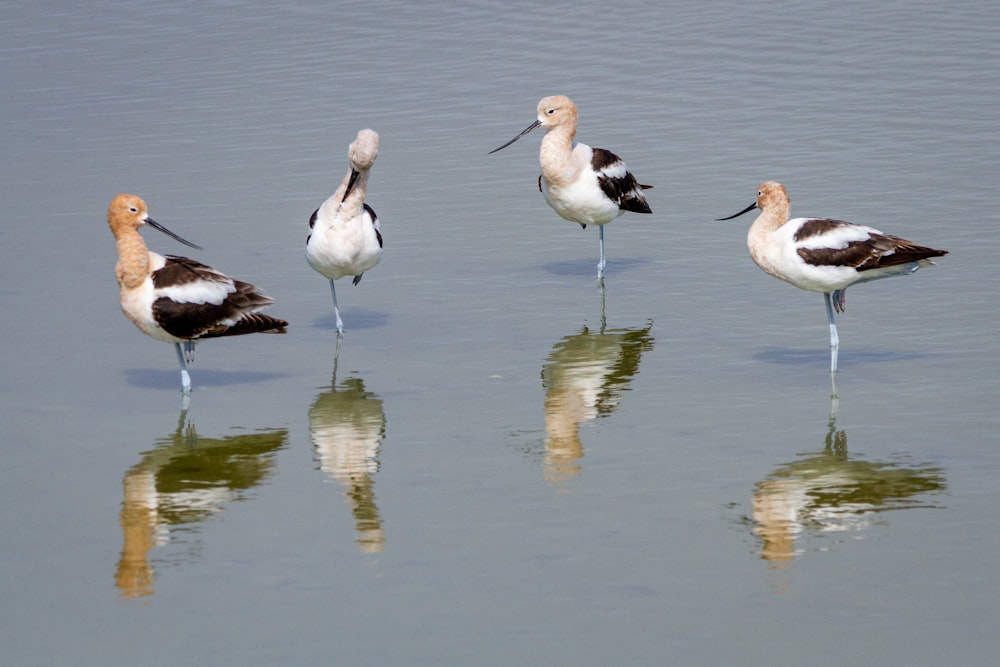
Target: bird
825,255
345,238
589,186
176,299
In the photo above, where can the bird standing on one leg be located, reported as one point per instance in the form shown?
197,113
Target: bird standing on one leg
824,255
176,299
344,235
589,186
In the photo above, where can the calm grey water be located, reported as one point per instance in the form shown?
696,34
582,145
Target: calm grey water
492,473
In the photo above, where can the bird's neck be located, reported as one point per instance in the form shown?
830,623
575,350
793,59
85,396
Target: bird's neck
133,260
337,206
356,198
766,224
769,220
556,157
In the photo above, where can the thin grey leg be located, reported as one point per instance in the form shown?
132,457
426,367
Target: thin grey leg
185,376
336,309
834,338
604,317
601,264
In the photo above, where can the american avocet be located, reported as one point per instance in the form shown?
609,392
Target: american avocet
176,299
823,255
589,186
344,236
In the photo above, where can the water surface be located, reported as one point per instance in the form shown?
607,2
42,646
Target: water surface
503,465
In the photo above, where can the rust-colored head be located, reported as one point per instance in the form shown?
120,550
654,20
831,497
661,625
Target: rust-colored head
553,111
127,213
556,110
771,196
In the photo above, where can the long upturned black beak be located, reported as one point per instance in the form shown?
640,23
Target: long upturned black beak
748,208
526,130
350,184
156,225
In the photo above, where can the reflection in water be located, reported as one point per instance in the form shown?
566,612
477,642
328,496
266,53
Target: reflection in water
178,484
347,425
583,379
826,491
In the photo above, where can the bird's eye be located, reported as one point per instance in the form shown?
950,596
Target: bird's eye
760,193
550,111
133,209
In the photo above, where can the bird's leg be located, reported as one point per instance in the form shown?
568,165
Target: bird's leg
185,376
336,309
600,264
604,317
834,338
336,358
189,351
839,300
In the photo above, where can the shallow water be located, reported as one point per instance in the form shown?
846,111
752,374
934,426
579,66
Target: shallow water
503,464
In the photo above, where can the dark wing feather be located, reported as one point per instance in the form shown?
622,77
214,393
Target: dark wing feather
178,271
205,320
877,251
247,324
378,234
618,183
893,250
312,223
817,227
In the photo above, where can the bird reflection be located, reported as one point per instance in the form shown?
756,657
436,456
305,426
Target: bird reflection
347,425
181,482
829,492
583,379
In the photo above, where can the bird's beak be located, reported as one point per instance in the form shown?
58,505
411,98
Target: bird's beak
736,215
156,225
350,184
526,130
